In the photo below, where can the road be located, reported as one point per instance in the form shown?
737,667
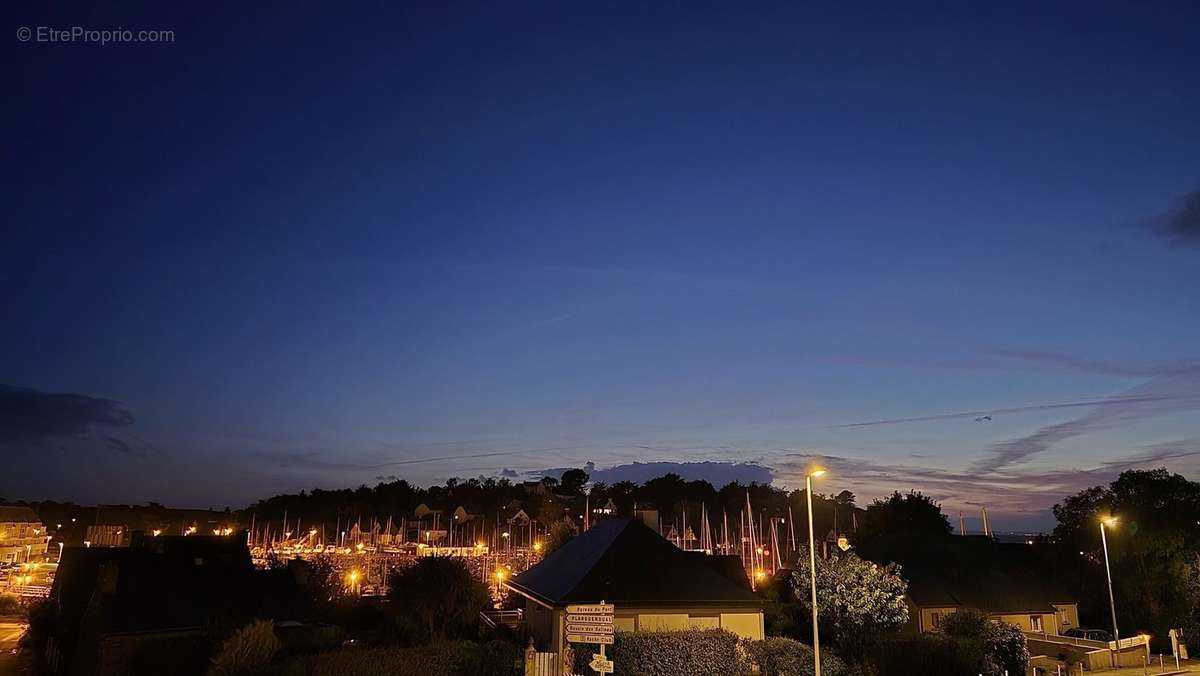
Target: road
10,634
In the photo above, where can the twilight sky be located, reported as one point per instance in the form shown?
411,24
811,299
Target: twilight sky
300,248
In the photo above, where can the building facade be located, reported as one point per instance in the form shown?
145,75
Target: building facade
23,538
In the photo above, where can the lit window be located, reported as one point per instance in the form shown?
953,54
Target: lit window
1035,623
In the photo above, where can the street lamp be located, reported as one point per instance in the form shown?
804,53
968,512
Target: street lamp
812,570
1110,522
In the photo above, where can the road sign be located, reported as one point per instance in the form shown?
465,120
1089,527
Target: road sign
601,665
601,620
601,639
592,609
598,629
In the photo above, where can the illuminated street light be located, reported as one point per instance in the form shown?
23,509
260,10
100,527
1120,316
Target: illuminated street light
156,532
812,571
537,546
1111,522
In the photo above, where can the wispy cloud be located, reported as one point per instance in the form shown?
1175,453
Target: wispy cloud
1182,223
1032,491
1173,389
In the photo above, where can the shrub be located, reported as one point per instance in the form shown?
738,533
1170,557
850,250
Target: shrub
449,658
436,598
247,652
927,655
10,604
1003,646
671,653
787,657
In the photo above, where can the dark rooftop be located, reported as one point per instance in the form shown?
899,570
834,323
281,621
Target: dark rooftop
971,571
621,561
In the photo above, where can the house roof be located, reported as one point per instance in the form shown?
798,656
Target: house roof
17,514
622,561
972,572
171,583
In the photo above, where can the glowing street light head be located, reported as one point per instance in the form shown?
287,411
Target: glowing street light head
500,574
1109,521
156,532
760,574
816,473
537,546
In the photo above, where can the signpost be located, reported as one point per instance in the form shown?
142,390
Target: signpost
592,623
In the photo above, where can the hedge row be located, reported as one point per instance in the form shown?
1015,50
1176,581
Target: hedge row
707,651
451,658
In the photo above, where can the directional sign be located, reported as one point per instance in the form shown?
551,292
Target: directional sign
599,630
592,609
601,665
600,620
590,638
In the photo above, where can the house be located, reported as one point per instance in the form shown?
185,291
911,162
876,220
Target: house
107,604
647,512
653,585
949,573
22,536
108,536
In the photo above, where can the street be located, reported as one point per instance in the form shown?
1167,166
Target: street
10,634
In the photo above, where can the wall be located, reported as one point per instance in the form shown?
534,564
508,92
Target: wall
1068,616
1025,622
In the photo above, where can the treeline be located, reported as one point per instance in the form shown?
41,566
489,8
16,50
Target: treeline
549,499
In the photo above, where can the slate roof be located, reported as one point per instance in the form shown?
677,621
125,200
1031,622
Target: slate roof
971,571
171,583
621,561
17,514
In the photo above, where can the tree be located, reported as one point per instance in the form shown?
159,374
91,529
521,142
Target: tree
1154,550
856,599
911,513
572,481
1002,646
560,533
436,598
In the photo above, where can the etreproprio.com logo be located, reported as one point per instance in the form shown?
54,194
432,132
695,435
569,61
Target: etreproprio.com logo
102,36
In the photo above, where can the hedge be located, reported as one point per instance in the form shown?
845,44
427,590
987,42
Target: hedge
449,658
788,657
670,653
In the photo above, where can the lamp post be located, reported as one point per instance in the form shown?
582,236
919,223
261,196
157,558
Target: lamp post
812,571
1110,521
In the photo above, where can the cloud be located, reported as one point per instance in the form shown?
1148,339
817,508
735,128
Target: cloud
1085,365
1030,492
1176,391
122,447
389,478
510,473
1182,223
28,416
716,473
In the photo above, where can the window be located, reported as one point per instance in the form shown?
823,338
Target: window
1035,623
935,618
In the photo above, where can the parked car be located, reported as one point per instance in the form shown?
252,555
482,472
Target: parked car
1089,634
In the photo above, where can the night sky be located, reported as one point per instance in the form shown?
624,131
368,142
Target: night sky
299,248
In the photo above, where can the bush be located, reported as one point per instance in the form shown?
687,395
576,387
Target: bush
247,652
927,655
436,598
1003,646
671,653
449,658
786,657
10,604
